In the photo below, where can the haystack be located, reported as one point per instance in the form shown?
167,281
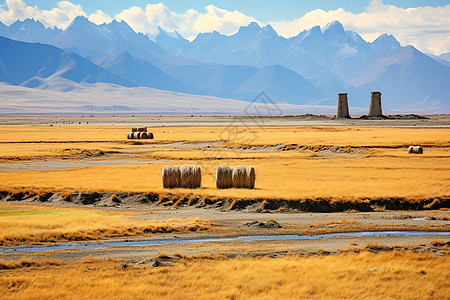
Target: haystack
191,177
171,177
224,177
250,177
415,150
239,177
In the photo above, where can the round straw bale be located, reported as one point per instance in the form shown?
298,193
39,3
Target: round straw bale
142,129
239,176
171,177
134,129
130,135
137,135
150,135
416,150
191,176
410,149
224,177
250,177
144,135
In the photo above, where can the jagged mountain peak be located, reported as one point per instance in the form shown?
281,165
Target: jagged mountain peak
80,22
334,27
269,28
251,28
252,25
122,28
29,23
254,28
386,39
174,34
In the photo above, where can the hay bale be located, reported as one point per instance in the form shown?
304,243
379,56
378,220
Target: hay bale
137,135
144,135
239,177
191,176
171,177
250,177
224,177
130,135
134,129
142,129
415,150
150,135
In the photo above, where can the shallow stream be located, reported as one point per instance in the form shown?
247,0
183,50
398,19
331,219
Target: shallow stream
179,241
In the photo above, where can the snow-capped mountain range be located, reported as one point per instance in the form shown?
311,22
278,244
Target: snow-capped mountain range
310,68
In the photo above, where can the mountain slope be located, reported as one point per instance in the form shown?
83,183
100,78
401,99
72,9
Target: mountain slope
172,42
407,77
31,65
214,80
139,71
279,83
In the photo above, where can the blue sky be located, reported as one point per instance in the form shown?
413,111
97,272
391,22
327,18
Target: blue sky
424,24
263,10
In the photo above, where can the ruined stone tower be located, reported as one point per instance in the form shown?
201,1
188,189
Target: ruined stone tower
342,107
375,105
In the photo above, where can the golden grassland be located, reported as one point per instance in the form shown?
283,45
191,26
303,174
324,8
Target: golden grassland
364,275
373,164
303,135
38,224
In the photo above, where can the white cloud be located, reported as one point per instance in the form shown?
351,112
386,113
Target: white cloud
221,20
189,22
16,10
100,17
427,28
154,15
59,16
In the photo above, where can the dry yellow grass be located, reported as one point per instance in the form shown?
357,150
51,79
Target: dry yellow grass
35,224
302,135
388,275
380,172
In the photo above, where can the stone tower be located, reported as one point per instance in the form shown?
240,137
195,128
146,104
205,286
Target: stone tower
375,105
342,107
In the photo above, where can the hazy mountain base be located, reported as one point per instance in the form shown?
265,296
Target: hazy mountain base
106,98
109,98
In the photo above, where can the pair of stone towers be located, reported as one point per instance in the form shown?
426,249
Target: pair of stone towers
374,109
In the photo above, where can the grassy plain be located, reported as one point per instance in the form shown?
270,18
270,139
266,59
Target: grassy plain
371,163
364,275
38,224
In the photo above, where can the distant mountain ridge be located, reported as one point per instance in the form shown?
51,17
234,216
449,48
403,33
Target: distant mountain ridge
36,65
309,68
